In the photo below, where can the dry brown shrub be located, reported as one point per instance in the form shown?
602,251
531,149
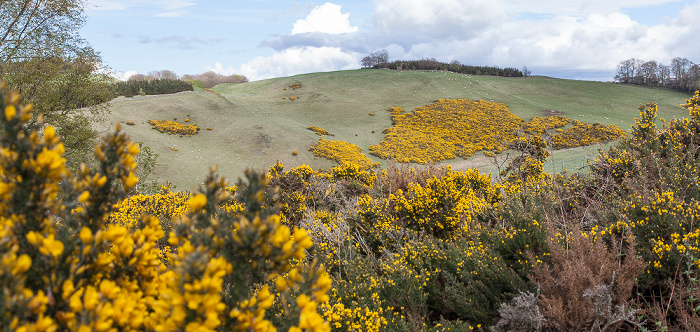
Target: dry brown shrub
400,176
587,284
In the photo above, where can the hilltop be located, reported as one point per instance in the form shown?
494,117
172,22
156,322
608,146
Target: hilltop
255,124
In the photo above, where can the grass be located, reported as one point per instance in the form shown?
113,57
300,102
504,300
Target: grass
253,126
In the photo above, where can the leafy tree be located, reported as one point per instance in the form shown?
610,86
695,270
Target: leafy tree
36,28
44,58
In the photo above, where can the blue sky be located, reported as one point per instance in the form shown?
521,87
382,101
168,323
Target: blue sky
576,39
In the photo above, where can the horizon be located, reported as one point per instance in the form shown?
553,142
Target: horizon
580,40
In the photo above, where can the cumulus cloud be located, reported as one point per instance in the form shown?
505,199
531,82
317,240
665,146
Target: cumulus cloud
547,36
581,35
292,61
433,19
326,18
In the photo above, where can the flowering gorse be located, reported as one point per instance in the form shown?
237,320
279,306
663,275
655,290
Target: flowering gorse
72,261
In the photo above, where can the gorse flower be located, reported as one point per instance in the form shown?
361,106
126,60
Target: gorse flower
174,128
74,259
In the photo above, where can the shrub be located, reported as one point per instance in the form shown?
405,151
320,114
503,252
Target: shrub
539,125
67,266
586,134
319,131
342,152
445,130
173,128
588,284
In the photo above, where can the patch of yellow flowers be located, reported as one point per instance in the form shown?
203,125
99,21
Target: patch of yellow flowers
342,152
70,259
451,128
174,128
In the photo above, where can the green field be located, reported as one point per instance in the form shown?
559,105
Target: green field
253,126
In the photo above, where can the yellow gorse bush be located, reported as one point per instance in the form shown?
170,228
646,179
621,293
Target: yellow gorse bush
174,128
319,131
342,152
447,129
450,128
582,134
539,125
73,260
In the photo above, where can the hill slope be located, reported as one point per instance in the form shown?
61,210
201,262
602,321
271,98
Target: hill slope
255,124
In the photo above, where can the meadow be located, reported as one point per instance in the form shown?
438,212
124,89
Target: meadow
256,123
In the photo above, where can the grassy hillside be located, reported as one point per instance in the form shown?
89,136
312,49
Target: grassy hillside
255,124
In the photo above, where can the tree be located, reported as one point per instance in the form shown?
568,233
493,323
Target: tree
526,72
36,28
44,58
164,74
377,59
137,77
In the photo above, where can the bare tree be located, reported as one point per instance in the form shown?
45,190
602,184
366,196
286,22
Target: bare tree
137,77
379,59
648,71
163,74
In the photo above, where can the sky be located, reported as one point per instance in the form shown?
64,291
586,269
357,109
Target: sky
573,39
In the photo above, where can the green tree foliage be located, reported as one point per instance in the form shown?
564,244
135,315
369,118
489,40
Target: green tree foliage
456,67
43,57
151,87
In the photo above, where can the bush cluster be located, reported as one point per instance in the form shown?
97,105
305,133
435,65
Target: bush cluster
319,131
342,152
582,134
72,261
447,129
174,128
540,125
402,249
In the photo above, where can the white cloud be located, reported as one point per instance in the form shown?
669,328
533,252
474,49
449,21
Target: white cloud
293,61
120,75
436,18
327,18
588,35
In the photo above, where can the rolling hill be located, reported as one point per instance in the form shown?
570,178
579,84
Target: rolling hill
255,124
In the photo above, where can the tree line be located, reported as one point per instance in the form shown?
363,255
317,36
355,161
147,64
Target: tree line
380,59
151,87
682,74
209,79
